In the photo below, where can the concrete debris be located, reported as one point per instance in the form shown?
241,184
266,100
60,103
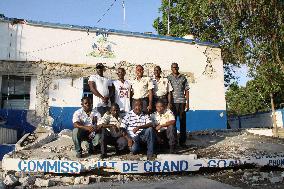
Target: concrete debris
65,133
262,131
275,179
10,180
67,180
44,183
27,181
77,180
2,185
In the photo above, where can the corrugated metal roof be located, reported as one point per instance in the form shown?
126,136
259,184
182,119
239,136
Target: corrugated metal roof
112,31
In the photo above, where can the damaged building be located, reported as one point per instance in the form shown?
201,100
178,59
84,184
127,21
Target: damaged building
45,68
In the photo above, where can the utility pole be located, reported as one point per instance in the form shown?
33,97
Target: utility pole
275,128
169,7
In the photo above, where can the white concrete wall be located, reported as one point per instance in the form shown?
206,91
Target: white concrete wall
33,93
30,42
260,120
66,92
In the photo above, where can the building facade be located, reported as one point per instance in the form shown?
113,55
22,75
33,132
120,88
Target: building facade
45,67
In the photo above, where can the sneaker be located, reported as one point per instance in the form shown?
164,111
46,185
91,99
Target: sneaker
79,155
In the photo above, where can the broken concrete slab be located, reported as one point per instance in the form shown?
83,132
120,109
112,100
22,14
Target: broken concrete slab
10,180
27,181
44,183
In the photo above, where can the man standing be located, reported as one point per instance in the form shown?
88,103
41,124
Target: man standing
162,88
85,122
142,88
165,125
180,99
101,89
122,91
110,131
139,129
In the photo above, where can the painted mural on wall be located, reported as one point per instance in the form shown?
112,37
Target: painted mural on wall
102,47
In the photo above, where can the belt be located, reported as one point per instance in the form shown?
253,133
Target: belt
160,97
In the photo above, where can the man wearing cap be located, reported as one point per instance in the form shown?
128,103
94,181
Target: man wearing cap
142,89
162,88
180,99
101,89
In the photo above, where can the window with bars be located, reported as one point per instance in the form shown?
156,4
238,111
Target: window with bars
15,92
86,88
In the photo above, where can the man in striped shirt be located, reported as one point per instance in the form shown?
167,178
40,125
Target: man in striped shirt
180,97
139,129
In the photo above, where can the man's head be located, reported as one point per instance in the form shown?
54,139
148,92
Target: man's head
121,73
160,106
114,110
174,68
100,69
157,71
139,71
137,107
86,103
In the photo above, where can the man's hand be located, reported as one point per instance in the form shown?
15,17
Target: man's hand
90,129
105,99
158,127
130,143
135,129
186,107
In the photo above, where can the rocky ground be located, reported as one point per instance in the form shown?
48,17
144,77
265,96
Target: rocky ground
209,144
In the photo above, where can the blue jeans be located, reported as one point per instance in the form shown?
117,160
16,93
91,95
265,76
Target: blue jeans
147,136
80,135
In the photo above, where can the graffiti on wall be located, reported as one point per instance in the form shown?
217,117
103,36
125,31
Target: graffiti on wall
102,47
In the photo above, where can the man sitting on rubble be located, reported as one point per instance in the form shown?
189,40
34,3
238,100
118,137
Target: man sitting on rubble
165,125
85,126
138,129
110,131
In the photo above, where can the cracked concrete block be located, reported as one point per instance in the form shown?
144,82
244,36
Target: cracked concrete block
10,180
78,180
65,133
85,180
68,180
44,183
27,181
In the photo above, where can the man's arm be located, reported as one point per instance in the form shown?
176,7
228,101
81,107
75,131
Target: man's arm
150,92
81,126
142,127
167,124
170,99
187,100
94,90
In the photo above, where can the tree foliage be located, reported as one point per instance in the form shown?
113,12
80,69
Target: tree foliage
249,32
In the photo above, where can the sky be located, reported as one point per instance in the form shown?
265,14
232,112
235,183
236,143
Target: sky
140,15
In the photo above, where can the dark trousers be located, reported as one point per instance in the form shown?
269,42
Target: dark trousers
178,110
102,110
147,136
112,138
169,135
80,135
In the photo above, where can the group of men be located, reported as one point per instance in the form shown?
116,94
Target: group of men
108,119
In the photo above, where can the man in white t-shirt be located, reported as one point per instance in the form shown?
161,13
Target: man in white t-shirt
85,126
101,89
122,91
